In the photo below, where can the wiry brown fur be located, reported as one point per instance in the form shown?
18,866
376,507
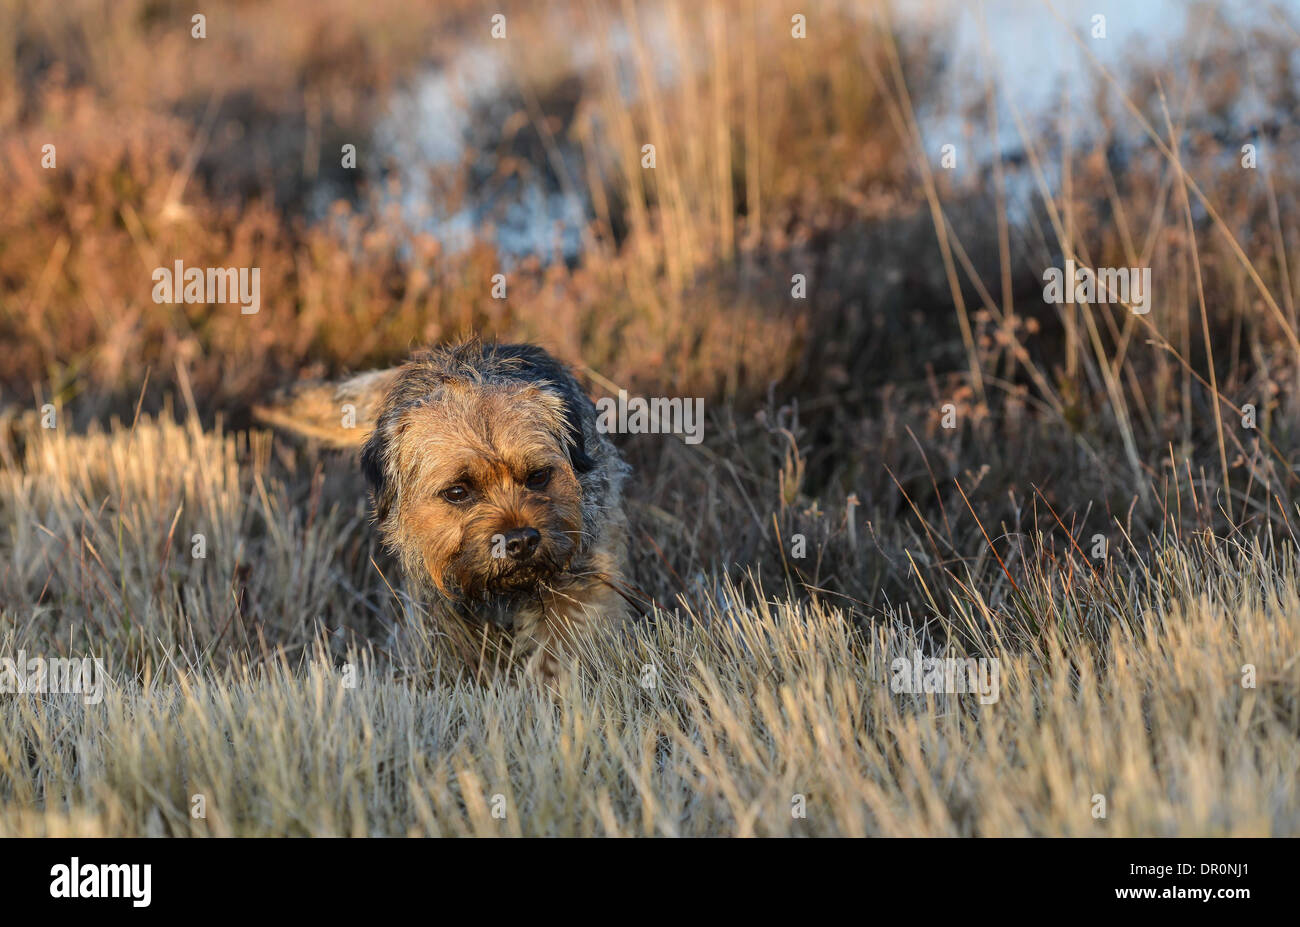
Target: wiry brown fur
318,410
486,420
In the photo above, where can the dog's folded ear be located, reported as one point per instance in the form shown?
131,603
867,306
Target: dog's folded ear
559,382
575,442
340,414
373,467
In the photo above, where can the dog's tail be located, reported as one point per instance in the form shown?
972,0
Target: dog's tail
340,414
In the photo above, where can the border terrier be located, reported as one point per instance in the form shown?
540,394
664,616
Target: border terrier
492,486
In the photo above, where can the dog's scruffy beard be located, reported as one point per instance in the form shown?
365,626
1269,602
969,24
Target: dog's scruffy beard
500,598
492,589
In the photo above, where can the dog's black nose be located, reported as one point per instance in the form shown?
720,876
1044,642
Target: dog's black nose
521,542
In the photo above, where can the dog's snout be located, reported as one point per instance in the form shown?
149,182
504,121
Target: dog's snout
521,543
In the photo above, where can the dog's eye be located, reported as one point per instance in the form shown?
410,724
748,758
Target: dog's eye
538,478
456,494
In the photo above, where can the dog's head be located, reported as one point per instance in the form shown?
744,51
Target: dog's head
475,483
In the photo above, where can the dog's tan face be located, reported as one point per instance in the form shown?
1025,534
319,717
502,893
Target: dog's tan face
482,495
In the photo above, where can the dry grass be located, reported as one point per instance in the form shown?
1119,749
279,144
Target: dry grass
1120,677
228,682
1134,694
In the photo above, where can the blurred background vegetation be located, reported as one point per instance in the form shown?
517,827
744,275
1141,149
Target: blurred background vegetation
775,156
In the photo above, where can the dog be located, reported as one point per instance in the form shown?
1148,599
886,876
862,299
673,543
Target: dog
491,484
